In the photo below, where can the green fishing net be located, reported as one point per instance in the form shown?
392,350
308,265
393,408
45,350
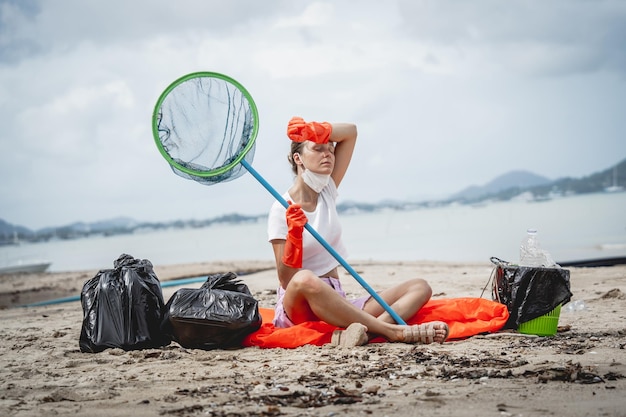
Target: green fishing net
205,124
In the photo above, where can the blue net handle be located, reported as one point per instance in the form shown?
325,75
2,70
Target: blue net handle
326,245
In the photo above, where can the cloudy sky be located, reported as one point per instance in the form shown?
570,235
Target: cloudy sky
446,94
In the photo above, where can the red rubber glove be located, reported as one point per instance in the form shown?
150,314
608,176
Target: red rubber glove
298,130
296,219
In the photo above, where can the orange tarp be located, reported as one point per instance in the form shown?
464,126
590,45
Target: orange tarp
465,317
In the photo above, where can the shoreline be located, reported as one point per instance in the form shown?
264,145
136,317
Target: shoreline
579,372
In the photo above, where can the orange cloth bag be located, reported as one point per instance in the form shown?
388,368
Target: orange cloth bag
465,317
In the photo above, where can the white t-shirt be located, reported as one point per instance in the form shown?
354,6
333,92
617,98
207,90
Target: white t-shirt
324,221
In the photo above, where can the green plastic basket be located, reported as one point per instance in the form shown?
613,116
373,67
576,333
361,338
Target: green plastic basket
545,325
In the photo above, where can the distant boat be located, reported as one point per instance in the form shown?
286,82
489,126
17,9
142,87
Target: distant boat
21,267
614,188
541,198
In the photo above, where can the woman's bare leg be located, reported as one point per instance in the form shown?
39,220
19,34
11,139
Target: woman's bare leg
309,298
405,300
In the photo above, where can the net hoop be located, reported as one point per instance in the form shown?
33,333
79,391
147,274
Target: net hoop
240,156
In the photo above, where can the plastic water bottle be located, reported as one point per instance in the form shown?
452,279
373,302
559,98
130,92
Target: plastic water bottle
574,306
530,253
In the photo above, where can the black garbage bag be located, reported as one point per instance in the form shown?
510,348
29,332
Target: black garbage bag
123,308
220,314
529,292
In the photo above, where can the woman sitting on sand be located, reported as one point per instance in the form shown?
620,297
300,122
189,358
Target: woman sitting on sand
310,289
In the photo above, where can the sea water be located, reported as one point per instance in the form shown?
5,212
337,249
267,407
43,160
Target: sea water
570,228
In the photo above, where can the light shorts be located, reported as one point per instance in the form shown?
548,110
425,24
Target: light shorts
280,316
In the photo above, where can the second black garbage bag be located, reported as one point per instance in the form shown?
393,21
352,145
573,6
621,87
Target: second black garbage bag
219,314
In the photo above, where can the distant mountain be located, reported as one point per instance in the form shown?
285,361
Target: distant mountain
603,181
10,232
513,179
103,226
509,186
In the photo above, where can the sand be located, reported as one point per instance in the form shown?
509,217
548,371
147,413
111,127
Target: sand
579,372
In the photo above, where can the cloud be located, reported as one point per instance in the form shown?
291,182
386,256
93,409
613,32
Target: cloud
446,94
564,37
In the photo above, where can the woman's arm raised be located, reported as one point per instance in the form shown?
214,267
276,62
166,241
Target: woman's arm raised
344,135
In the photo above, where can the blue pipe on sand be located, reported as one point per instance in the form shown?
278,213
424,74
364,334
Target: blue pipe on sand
172,283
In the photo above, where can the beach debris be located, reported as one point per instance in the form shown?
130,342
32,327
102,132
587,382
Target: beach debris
184,411
312,398
571,372
615,293
564,328
77,395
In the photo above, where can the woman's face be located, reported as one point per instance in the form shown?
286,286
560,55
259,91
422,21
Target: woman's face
319,157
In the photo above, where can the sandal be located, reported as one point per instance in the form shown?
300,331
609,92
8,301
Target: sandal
424,333
354,335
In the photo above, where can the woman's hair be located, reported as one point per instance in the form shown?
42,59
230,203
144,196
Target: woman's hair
296,147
